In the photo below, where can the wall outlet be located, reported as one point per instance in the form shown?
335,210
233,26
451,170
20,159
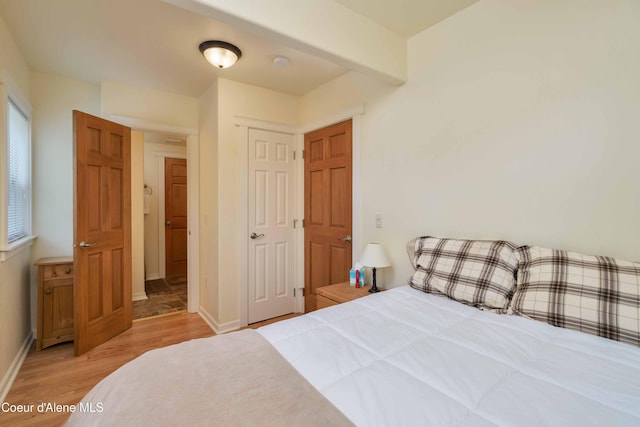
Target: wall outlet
379,220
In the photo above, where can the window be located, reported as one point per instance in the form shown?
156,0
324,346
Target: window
15,166
18,203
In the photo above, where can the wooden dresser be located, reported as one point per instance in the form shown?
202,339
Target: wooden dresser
339,293
55,301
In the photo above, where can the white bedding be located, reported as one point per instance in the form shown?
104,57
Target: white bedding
398,358
403,357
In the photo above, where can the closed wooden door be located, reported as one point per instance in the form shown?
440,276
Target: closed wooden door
175,183
102,230
327,208
270,208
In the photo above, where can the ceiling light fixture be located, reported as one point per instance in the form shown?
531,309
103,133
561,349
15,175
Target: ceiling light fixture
220,54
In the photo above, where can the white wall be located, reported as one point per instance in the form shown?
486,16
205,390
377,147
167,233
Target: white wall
518,121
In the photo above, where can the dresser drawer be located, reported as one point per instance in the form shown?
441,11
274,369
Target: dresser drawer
58,271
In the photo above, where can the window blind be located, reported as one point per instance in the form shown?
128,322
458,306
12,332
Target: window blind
18,173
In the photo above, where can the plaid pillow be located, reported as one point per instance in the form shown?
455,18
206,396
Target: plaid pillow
594,294
476,272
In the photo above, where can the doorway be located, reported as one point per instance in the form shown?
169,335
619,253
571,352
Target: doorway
165,230
270,224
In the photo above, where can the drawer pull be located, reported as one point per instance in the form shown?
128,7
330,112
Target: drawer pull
67,271
47,291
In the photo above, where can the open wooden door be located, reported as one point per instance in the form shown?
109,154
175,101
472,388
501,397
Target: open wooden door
102,230
327,208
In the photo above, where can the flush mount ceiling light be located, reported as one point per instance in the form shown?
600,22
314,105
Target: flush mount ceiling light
220,54
281,61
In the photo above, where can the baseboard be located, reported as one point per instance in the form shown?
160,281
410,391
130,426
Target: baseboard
15,366
139,296
218,328
154,276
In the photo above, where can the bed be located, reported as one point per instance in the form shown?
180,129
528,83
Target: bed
400,357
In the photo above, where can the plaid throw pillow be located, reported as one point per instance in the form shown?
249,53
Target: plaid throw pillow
476,272
594,294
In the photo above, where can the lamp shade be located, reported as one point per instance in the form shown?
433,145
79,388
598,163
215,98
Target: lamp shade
374,256
220,54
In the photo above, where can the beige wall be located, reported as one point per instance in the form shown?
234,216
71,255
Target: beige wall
518,121
137,216
14,311
149,104
11,59
15,322
208,168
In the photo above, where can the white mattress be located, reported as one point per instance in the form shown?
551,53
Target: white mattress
402,357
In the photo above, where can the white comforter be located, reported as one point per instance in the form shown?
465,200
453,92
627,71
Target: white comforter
402,357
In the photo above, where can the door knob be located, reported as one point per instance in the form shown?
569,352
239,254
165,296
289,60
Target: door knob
346,239
84,244
169,223
255,236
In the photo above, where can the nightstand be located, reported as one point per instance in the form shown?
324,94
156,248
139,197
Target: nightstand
327,296
55,301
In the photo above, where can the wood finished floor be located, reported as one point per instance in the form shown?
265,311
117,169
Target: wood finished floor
54,375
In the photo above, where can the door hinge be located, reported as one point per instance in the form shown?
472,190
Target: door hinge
301,290
303,223
294,154
303,154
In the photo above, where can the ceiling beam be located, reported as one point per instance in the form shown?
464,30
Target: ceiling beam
319,27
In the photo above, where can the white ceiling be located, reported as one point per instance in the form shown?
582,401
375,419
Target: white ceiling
155,44
406,17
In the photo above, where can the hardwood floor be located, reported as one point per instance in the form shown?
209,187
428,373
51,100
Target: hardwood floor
53,375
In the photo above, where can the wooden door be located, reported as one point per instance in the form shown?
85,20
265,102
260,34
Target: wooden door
175,214
102,230
327,208
270,212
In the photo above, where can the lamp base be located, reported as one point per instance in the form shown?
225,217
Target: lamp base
374,288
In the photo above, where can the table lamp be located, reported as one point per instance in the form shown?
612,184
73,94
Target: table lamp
374,257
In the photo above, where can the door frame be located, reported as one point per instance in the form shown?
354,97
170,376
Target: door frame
243,124
193,199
